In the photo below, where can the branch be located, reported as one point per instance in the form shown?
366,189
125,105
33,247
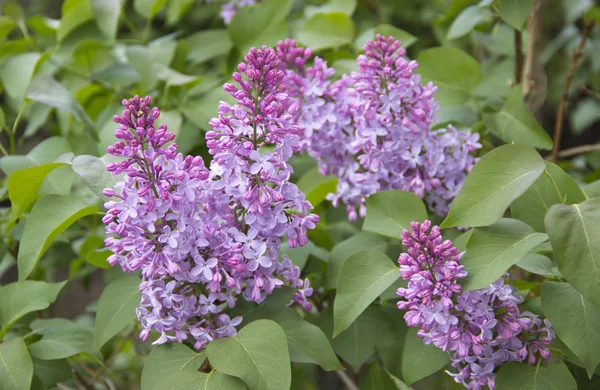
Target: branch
578,150
518,56
350,385
590,92
532,32
560,113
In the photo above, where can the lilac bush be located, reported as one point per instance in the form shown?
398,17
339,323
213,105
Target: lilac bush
372,128
480,329
203,236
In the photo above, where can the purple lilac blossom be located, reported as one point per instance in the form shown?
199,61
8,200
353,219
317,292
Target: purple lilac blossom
480,329
372,128
204,236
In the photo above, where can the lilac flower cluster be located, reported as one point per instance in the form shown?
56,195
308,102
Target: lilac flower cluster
372,128
204,236
230,8
480,329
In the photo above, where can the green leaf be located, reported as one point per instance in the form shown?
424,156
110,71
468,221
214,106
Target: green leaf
324,31
516,124
107,13
149,8
316,186
364,276
74,14
515,12
467,20
342,251
52,371
521,376
493,249
142,59
584,115
6,26
386,218
24,186
116,309
21,298
93,171
46,90
575,320
390,345
386,30
261,24
377,379
537,264
16,368
208,44
574,233
500,177
47,151
61,338
16,75
423,359
299,255
553,187
98,258
173,77
454,72
345,6
258,354
50,216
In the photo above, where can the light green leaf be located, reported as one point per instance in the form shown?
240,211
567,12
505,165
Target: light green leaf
423,359
515,12
16,368
516,124
208,44
493,249
390,212
16,75
584,115
142,59
172,119
467,20
46,90
574,233
500,177
149,8
323,31
6,26
553,187
24,186
521,376
454,72
537,264
50,216
107,13
261,24
345,6
116,309
74,14
21,298
45,152
575,320
258,354
316,186
98,258
386,30
173,77
342,251
93,171
61,338
364,276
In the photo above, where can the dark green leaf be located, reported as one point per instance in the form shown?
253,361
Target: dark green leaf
149,8
61,338
467,20
515,12
516,124
173,366
52,371
423,360
454,72
45,152
299,255
50,216
6,26
116,309
16,75
537,264
324,31
364,276
553,187
574,233
258,354
16,368
342,251
495,182
575,320
386,218
493,249
521,376
74,14
316,186
377,379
